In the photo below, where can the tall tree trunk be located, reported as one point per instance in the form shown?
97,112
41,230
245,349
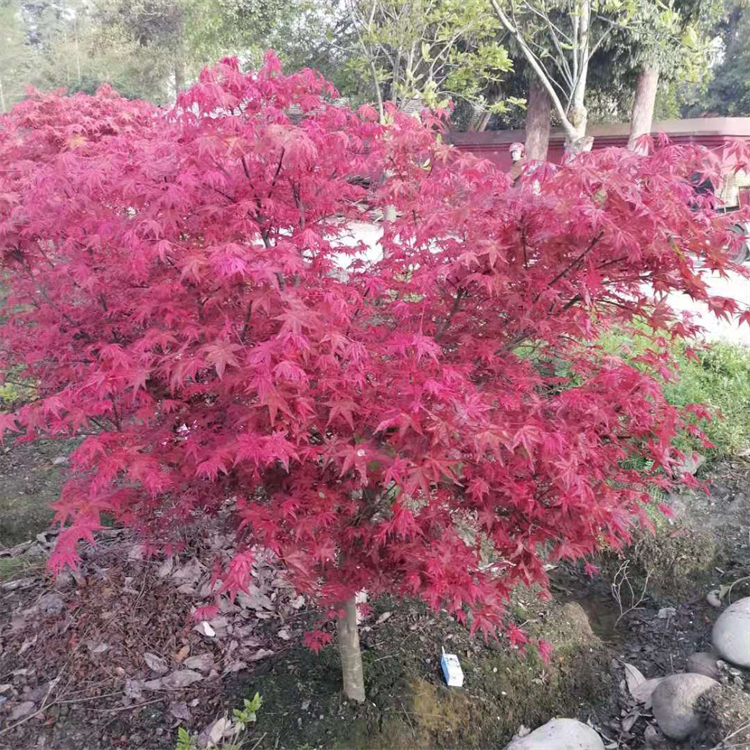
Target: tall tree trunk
2,96
351,656
644,101
575,137
179,73
78,52
574,117
480,119
538,112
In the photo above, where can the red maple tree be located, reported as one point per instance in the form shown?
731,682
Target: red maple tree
434,422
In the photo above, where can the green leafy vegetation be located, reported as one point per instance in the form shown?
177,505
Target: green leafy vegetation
717,376
224,734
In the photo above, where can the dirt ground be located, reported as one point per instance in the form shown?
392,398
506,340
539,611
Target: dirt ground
74,674
30,478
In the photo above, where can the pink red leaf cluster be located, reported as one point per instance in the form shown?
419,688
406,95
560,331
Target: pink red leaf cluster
432,418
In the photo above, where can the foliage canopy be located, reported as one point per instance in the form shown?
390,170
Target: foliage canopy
432,422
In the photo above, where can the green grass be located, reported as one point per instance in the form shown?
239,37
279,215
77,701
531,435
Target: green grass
719,378
16,567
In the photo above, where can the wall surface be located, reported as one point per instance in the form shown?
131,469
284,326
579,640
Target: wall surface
715,133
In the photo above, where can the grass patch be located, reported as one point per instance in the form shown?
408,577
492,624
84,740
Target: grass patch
31,476
718,378
16,567
721,380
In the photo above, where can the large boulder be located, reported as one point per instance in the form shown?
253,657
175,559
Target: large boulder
560,734
675,701
731,633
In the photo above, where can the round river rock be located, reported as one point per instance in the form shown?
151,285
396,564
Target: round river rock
731,633
560,734
674,703
704,663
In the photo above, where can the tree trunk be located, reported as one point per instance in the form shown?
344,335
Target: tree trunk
642,115
538,112
576,141
179,74
351,656
2,96
573,118
479,121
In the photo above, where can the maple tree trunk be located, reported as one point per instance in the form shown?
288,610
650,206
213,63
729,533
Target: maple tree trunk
349,651
538,112
642,116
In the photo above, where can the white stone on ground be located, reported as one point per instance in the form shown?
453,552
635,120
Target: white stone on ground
731,633
674,702
560,734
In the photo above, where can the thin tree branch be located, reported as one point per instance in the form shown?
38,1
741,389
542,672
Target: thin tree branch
531,58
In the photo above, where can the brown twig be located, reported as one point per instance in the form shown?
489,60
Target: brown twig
129,708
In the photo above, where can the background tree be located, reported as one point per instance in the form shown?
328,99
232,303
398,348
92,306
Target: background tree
15,54
559,34
427,50
728,91
666,42
590,57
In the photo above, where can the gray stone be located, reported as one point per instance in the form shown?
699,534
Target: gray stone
690,464
674,703
560,734
51,604
704,663
22,710
731,633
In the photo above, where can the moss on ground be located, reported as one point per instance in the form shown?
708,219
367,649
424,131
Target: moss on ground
31,477
10,568
409,705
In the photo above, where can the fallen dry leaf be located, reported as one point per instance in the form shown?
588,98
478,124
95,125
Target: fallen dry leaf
134,689
215,732
643,692
261,654
204,628
165,568
235,666
179,657
156,663
201,662
180,710
190,573
634,677
629,720
22,709
182,678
